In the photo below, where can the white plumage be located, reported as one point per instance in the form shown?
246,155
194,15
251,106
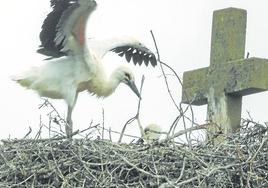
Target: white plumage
152,132
73,65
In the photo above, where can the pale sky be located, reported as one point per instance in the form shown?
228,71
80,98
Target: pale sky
183,32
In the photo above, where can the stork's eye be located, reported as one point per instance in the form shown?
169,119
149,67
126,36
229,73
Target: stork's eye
146,130
127,75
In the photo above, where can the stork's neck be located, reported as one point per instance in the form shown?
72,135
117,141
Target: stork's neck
103,86
111,85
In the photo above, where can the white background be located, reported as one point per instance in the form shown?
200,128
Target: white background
183,32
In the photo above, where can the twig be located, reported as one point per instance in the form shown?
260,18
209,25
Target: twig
182,132
187,181
29,132
124,128
137,114
116,132
47,103
102,135
37,136
141,128
240,161
143,171
265,139
18,184
168,88
182,170
110,134
163,72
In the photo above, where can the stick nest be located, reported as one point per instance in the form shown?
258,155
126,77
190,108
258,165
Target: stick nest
239,161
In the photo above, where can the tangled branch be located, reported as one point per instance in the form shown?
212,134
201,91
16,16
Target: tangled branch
241,161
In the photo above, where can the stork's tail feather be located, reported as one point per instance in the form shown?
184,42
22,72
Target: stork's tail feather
21,80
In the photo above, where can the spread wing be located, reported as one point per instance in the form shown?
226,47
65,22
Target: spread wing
138,54
127,47
63,30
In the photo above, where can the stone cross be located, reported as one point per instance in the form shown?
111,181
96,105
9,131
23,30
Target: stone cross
229,76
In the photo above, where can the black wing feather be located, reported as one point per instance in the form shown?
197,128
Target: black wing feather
137,54
49,29
137,58
121,54
128,54
153,60
146,59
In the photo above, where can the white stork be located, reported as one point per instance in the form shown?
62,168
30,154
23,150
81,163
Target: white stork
73,65
152,132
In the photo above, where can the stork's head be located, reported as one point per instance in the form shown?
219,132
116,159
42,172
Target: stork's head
125,75
152,132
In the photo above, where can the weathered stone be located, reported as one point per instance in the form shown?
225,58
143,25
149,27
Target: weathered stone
229,77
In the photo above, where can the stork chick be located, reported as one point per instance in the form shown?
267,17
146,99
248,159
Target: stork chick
152,133
73,66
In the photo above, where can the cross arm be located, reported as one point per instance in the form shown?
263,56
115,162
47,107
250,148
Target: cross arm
246,76
195,87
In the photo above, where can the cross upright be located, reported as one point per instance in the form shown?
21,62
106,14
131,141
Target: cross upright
229,76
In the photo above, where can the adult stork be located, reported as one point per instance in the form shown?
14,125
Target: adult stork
73,65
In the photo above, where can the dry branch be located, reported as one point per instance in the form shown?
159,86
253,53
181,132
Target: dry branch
241,161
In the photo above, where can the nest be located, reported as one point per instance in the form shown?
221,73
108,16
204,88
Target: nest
239,161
